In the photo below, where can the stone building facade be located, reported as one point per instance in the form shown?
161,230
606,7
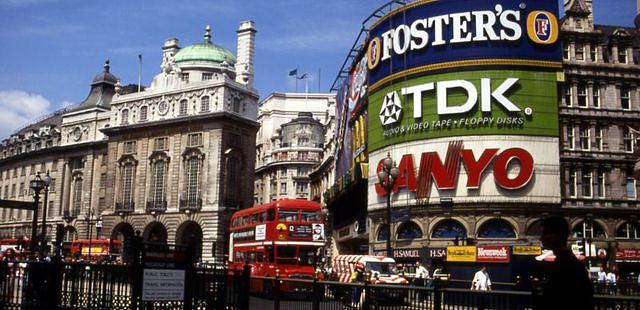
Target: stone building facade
599,106
291,140
172,161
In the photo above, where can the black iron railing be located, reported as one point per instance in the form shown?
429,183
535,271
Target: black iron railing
125,206
190,204
157,206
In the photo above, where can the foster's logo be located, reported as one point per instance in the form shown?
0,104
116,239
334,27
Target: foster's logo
542,27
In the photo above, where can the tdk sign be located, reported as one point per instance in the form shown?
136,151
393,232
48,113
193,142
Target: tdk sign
430,35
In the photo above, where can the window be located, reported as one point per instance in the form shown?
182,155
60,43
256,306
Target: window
6,192
184,77
409,231
77,163
283,188
160,144
625,96
448,229
15,172
303,171
587,184
159,171
570,135
599,144
183,107
496,228
207,76
233,181
301,187
383,233
143,114
194,166
596,96
627,138
129,147
13,190
310,216
568,95
622,55
630,186
602,185
628,231
573,183
594,52
77,195
288,215
23,171
101,203
580,52
588,230
584,137
103,180
33,169
582,95
127,183
52,186
566,52
194,139
236,105
204,104
21,190
303,141
124,118
105,159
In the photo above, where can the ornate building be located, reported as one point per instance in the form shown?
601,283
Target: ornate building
173,160
291,140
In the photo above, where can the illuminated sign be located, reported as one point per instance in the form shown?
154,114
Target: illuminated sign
445,175
527,250
461,254
435,34
492,254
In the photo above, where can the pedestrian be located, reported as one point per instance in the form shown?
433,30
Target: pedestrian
567,284
481,280
359,278
422,274
602,279
612,282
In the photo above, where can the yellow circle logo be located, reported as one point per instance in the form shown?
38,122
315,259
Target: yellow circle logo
542,27
281,227
373,53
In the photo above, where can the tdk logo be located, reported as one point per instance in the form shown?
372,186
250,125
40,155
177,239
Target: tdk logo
391,109
392,106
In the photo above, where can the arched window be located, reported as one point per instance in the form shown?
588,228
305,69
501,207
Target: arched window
77,195
204,104
183,107
409,231
127,174
143,114
496,229
124,117
628,231
448,229
535,229
191,198
383,234
589,230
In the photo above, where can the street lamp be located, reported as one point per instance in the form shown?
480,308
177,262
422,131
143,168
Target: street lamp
89,220
43,244
37,184
387,177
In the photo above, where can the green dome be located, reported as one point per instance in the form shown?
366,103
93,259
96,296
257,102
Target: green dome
206,51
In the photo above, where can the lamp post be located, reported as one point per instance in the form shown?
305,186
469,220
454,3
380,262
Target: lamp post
89,220
43,244
37,184
387,177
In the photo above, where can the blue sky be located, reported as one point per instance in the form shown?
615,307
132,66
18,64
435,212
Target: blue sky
52,48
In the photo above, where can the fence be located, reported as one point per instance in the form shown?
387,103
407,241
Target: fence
56,285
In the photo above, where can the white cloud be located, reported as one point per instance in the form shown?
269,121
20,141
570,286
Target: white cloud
18,108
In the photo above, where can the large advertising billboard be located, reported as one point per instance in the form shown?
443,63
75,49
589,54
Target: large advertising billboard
463,96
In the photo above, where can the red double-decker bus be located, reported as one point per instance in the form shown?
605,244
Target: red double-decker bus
95,249
285,236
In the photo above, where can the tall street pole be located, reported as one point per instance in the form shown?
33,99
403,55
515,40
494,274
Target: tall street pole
34,223
43,244
389,251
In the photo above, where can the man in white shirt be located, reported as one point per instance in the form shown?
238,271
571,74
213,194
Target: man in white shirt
481,281
421,272
602,280
611,280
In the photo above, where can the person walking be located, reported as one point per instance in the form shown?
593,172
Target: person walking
358,277
602,280
481,280
422,274
612,282
566,284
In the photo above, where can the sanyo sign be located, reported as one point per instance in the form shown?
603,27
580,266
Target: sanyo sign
392,105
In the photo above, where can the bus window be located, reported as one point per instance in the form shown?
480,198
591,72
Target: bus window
269,253
287,215
261,217
307,256
259,257
252,257
254,219
271,215
286,255
310,216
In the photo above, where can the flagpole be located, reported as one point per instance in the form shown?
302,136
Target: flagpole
319,80
139,71
296,77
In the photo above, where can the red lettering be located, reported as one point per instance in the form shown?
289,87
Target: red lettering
501,165
406,174
476,168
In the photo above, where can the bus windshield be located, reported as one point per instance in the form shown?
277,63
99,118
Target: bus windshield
381,268
291,255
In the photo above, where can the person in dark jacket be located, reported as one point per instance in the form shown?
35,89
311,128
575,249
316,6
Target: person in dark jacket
567,284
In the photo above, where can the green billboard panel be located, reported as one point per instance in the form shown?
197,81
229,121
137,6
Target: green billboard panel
468,103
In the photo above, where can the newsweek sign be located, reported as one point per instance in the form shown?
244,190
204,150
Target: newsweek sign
482,169
492,254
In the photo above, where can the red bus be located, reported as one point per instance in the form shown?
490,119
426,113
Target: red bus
18,245
95,248
284,236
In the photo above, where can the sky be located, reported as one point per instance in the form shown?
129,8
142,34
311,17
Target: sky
52,49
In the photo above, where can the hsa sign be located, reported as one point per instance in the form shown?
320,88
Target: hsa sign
445,175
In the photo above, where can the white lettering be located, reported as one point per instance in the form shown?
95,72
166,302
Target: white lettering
420,34
511,25
416,91
442,98
402,36
438,22
484,26
459,25
387,45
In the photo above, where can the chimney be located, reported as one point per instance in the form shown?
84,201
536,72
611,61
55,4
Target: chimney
246,49
169,50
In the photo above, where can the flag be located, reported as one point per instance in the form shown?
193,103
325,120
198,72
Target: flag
140,57
304,76
293,72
